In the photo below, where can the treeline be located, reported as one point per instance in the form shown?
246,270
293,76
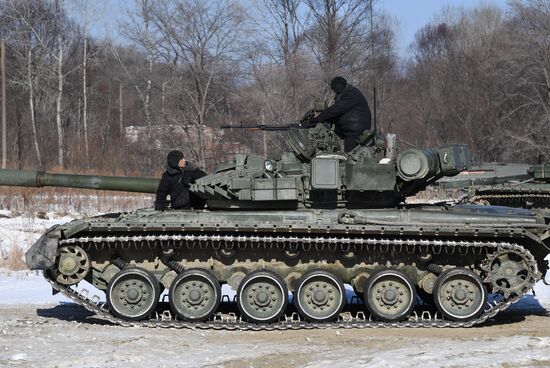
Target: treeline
479,76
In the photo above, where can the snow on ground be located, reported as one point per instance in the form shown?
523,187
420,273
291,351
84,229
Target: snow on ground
27,287
22,231
24,216
68,336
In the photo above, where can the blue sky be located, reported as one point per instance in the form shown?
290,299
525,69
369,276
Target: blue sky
410,15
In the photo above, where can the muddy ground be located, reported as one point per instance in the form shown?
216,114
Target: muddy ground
66,335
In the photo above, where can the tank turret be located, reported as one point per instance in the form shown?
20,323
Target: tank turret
317,174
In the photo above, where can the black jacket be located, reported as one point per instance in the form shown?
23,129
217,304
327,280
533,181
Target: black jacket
350,113
175,182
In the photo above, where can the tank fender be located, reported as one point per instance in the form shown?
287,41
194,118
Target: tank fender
74,227
41,255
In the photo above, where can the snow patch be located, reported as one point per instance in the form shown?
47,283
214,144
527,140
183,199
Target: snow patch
27,287
22,231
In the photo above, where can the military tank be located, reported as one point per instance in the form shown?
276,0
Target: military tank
513,185
287,234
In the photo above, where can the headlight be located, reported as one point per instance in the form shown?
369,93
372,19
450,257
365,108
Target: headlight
269,165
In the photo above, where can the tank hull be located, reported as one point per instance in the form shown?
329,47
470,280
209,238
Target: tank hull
457,221
349,245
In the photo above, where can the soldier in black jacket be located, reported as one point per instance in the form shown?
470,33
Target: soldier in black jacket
175,182
350,113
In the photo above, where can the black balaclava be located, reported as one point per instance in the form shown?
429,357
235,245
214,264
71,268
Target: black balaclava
173,159
338,84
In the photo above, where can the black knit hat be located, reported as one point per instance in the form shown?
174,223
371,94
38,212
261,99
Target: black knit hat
173,158
338,84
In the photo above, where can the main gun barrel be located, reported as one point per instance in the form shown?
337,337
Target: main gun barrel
31,178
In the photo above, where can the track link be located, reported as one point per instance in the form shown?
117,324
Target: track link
538,200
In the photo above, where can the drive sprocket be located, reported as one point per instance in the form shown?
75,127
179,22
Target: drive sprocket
510,272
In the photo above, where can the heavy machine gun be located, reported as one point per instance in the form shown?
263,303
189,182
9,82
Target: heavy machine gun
304,123
263,127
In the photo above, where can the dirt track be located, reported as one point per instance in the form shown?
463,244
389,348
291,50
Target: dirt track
67,336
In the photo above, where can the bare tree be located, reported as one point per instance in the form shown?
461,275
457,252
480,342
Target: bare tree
31,86
198,38
286,33
59,59
138,29
276,57
338,31
525,68
456,82
55,46
26,30
86,13
478,76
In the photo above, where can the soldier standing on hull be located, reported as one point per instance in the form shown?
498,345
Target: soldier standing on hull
350,113
175,182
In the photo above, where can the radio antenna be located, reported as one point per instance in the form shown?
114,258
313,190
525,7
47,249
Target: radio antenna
373,67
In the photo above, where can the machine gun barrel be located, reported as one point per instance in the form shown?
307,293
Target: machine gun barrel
304,123
31,178
264,127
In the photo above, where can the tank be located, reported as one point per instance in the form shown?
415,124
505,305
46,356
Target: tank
514,185
287,235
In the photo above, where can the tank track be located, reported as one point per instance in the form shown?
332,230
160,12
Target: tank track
293,321
539,200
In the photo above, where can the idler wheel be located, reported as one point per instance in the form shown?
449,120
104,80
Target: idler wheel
320,296
262,297
73,264
459,294
195,295
133,294
390,295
